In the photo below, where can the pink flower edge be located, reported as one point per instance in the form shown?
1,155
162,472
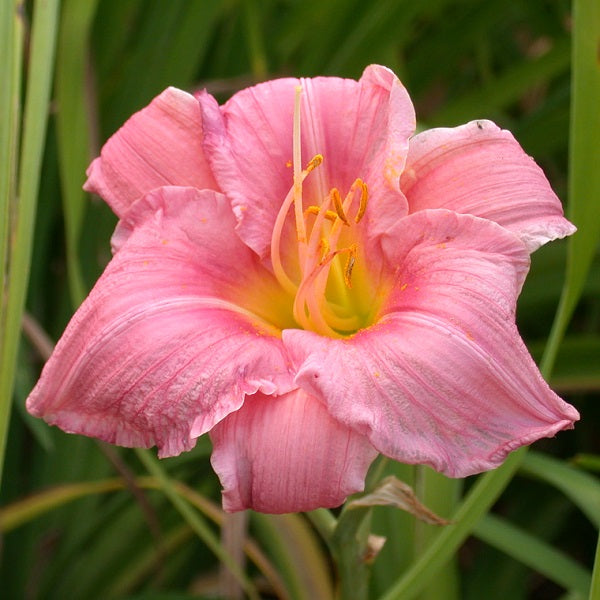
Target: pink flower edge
442,377
480,169
157,354
286,453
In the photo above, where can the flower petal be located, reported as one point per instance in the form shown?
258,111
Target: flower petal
158,352
443,378
480,169
361,128
286,454
159,145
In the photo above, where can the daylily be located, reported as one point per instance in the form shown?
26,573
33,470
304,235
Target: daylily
297,275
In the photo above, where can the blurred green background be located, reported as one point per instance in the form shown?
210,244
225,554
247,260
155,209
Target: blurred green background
460,60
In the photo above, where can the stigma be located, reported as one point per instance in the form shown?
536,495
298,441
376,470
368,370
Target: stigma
326,246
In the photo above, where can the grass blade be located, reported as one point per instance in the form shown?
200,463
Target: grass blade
194,520
43,37
73,149
534,553
584,175
581,488
595,589
11,41
479,500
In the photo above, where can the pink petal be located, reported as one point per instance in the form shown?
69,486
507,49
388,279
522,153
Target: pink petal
480,169
361,128
159,145
158,353
286,454
443,377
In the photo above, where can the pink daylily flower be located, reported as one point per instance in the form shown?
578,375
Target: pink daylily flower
299,276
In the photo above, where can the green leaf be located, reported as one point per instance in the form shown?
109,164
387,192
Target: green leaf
581,488
21,208
11,32
507,88
584,175
73,128
533,552
442,495
577,367
23,511
595,590
589,462
11,41
195,521
393,492
477,502
167,42
297,554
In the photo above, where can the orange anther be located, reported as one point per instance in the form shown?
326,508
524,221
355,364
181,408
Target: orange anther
324,247
364,195
337,203
350,265
314,162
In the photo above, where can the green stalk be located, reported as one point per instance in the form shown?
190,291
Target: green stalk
21,207
349,546
11,41
323,521
479,500
194,520
533,552
441,495
71,116
584,175
595,589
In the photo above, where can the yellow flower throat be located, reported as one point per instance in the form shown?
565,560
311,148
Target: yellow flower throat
322,293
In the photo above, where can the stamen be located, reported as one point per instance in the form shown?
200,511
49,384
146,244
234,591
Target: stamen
308,309
322,301
315,210
350,265
311,310
314,241
337,203
336,271
324,247
313,163
364,195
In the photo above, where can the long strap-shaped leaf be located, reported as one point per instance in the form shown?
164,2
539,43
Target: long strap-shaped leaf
73,148
19,201
584,174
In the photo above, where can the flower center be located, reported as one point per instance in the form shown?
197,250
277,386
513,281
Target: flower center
327,250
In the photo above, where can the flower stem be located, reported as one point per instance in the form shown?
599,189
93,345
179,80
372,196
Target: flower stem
349,545
479,500
324,522
441,495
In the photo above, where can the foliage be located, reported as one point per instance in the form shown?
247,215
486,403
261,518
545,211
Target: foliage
81,520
